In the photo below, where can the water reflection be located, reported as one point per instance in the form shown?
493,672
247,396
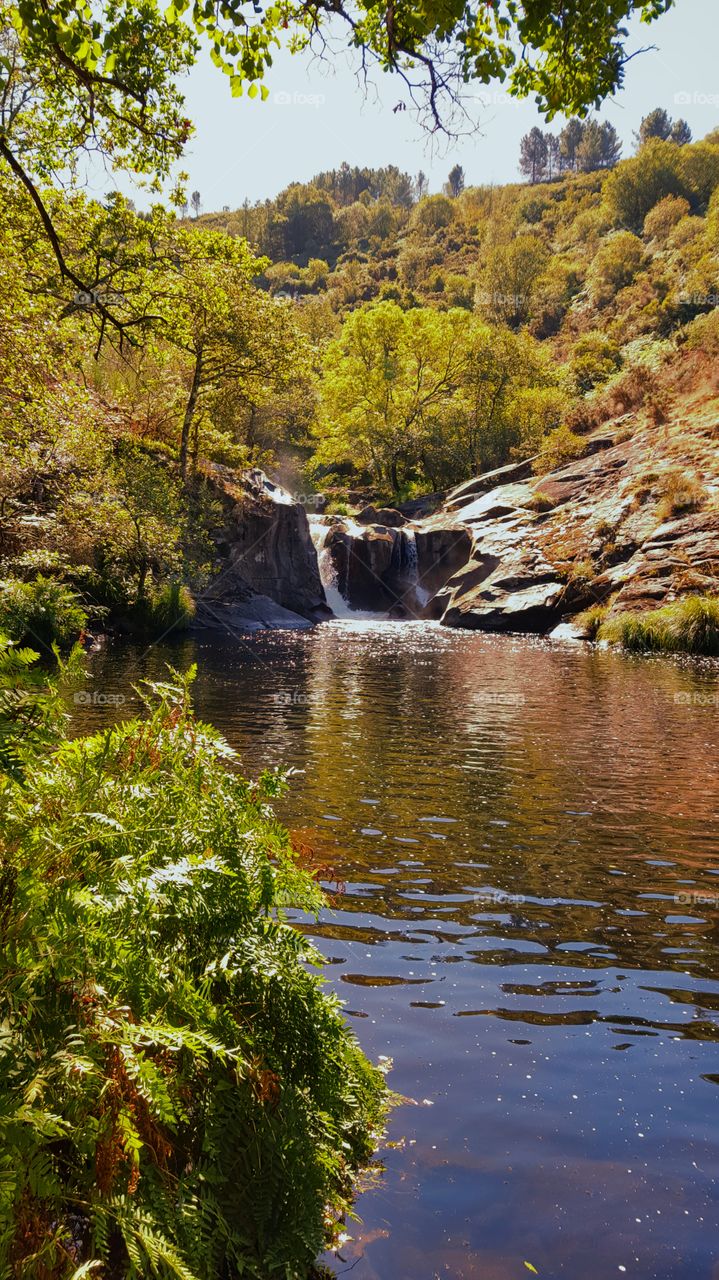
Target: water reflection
527,833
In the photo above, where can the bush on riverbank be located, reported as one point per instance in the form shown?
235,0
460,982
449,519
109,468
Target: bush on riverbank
179,1097
690,625
42,612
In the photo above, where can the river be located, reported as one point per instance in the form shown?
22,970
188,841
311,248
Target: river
526,832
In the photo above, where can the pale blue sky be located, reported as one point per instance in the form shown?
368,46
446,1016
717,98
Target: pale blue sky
317,116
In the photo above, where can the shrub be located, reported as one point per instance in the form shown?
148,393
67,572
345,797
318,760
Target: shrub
433,213
594,359
638,184
540,502
179,1096
664,217
44,611
615,265
690,625
560,446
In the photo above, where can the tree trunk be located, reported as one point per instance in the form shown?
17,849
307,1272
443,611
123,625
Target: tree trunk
190,411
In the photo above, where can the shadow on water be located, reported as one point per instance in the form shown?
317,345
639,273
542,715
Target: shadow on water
527,832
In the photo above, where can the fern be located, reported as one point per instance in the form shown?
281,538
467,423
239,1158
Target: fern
180,1098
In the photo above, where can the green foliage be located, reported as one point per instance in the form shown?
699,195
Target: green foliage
43,612
431,396
179,1096
171,608
689,625
615,266
561,446
594,359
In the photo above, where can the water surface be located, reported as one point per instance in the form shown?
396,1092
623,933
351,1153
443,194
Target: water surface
529,930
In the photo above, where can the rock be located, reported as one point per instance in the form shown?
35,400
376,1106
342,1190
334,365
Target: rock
504,500
679,558
464,493
386,516
419,508
569,631
363,558
266,547
443,547
258,613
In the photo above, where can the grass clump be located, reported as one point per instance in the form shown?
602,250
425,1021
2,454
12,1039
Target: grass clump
180,1098
591,620
690,625
540,502
679,493
171,608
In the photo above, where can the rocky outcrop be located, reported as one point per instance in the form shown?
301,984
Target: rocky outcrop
593,531
269,575
509,550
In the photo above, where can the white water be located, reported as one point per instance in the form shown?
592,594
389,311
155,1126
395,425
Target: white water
335,599
410,567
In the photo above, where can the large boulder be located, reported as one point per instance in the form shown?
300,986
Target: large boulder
265,549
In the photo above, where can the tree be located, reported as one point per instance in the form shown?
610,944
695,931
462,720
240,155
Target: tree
658,124
507,284
611,147
455,181
569,142
533,153
681,133
385,379
599,148
196,202
421,186
554,157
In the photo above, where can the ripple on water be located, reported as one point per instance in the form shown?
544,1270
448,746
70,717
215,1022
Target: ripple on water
529,930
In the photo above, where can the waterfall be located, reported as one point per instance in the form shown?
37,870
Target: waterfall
410,566
328,573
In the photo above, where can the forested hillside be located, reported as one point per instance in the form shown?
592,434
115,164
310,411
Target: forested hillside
356,332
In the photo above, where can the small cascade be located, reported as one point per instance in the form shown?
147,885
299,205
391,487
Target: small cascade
410,566
328,573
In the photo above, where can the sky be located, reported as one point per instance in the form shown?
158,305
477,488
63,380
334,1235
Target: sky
318,115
